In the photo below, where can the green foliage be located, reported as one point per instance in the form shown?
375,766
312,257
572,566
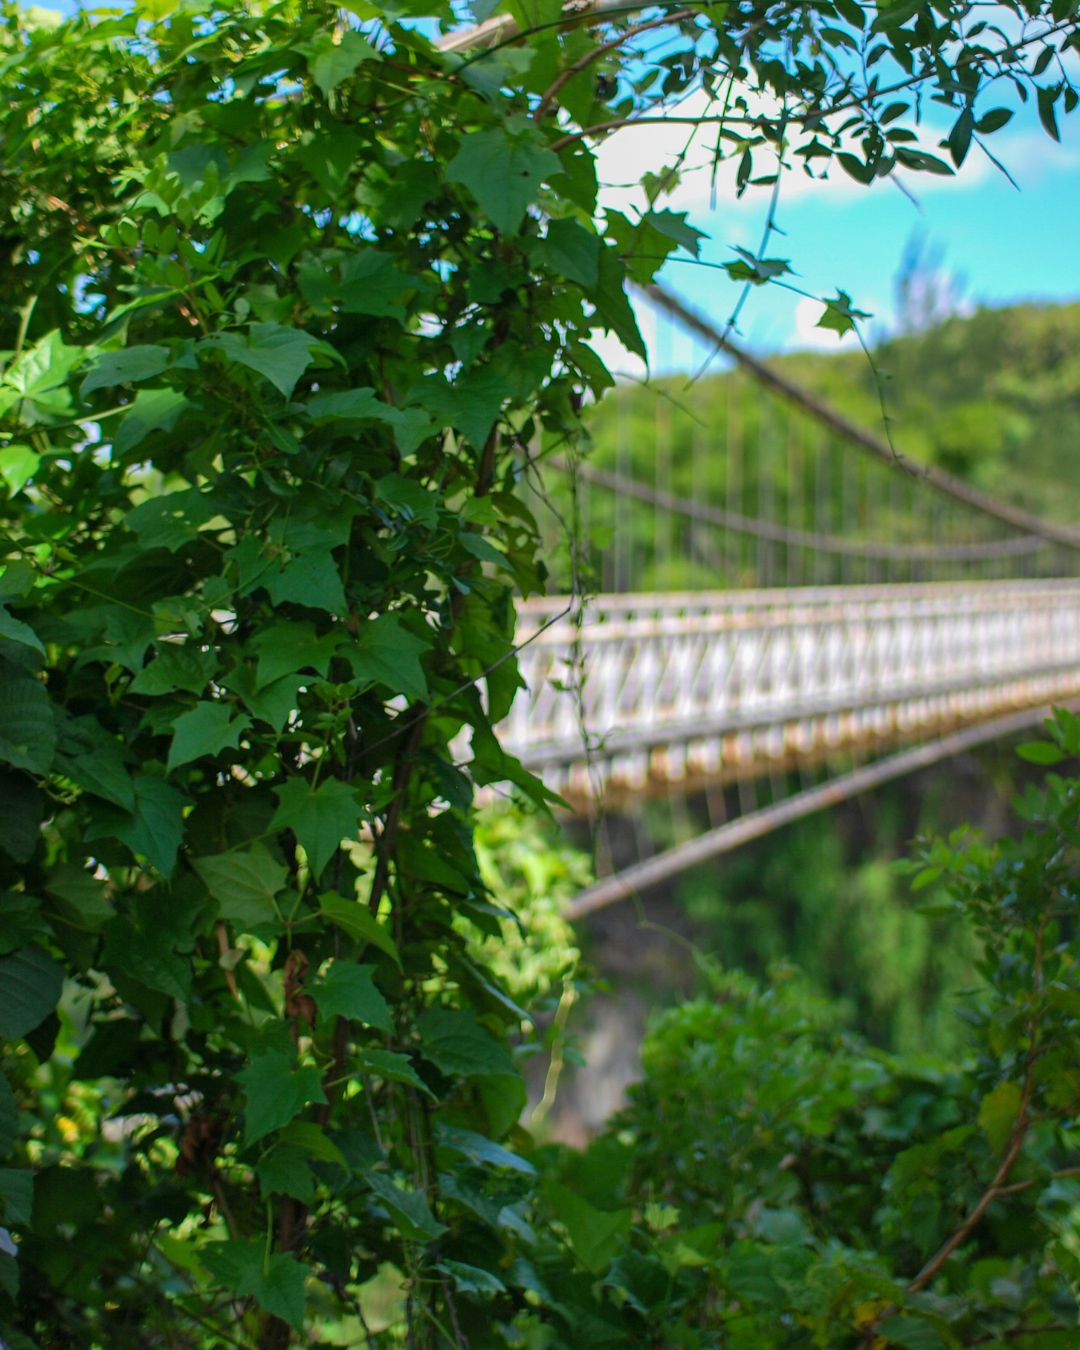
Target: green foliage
283,310
531,948
784,1184
991,396
836,909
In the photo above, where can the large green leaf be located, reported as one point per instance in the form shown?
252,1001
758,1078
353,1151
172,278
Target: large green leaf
80,895
126,367
27,728
31,982
283,648
278,353
9,1118
271,703
18,464
275,1281
474,402
94,760
409,499
503,168
455,1042
1041,752
386,652
472,1279
175,667
154,829
645,243
147,952
574,251
356,919
595,1234
310,578
22,922
492,764
410,1209
395,1068
171,520
372,284
244,885
21,810
347,405
152,410
613,308
332,59
40,375
313,1141
16,1195
275,1093
320,817
14,630
480,1150
285,1171
347,990
206,730
127,636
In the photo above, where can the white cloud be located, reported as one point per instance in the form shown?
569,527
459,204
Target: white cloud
710,196
622,363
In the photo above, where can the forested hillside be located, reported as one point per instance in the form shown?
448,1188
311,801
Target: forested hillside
993,397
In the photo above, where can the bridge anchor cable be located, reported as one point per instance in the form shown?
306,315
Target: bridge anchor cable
733,834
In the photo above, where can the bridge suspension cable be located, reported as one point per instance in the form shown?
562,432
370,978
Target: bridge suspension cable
750,481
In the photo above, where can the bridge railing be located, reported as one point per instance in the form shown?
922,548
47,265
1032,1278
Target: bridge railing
646,690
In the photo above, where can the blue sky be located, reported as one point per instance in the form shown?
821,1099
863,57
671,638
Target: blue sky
1005,245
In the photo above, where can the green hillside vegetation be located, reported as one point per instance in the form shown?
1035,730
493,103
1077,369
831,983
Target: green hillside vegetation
993,398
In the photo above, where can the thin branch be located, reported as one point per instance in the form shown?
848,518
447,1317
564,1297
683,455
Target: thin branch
938,479
1017,1139
766,235
1016,1143
642,121
1017,1186
582,63
448,1298
502,30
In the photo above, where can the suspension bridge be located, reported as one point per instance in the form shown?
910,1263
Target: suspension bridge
774,592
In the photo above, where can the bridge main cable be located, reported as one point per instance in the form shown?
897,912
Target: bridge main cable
938,479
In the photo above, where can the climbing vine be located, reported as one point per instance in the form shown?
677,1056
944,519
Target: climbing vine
291,297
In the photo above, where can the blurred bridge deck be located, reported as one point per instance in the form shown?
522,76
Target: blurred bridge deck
631,693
